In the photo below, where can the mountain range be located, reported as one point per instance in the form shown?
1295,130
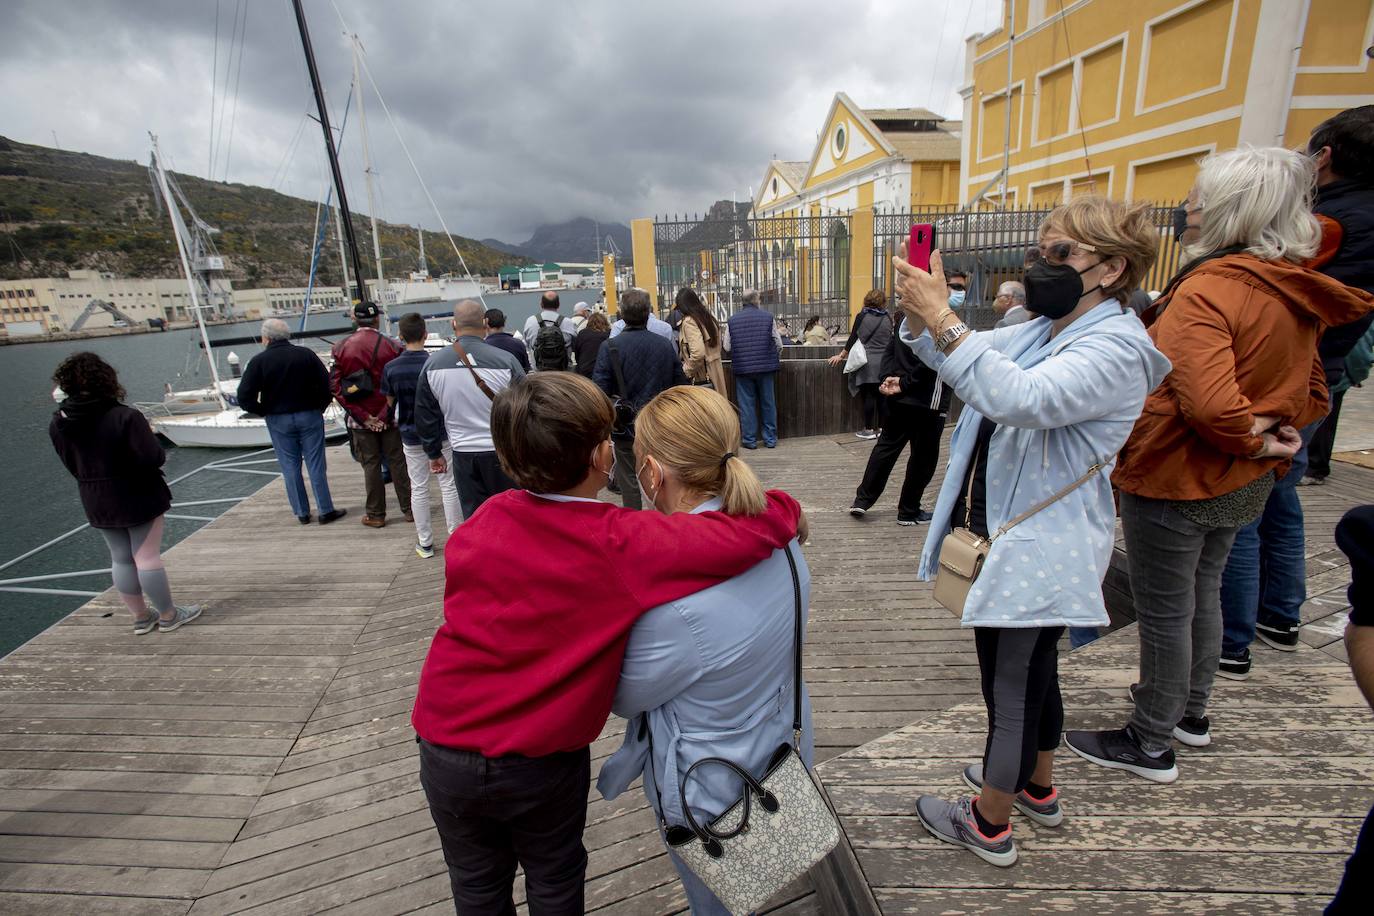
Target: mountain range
573,241
61,210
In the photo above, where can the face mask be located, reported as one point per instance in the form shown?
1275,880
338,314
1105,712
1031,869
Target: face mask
653,496
956,298
1180,218
1054,290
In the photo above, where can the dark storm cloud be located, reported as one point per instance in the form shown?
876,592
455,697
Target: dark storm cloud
517,112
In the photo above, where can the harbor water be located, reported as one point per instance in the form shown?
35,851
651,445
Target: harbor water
40,497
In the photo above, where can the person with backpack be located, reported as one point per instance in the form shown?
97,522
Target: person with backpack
356,383
549,336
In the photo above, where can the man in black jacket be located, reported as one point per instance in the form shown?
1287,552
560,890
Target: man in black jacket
1343,149
288,386
636,365
917,407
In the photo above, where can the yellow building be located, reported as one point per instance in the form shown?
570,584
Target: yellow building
891,158
1122,97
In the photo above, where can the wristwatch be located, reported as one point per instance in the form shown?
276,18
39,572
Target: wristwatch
949,335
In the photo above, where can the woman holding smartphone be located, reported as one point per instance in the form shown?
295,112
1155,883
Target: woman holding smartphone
1049,404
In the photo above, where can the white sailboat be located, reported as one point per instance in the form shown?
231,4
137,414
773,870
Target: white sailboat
223,425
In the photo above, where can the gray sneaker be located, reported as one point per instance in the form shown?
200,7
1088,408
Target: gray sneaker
954,823
184,615
1045,812
146,625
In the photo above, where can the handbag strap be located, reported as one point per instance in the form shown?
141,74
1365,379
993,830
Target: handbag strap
796,650
1043,504
1047,502
476,376
796,719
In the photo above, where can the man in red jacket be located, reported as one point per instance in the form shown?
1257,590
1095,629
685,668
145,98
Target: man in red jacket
356,381
520,676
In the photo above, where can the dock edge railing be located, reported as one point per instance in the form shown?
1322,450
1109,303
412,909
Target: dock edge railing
238,464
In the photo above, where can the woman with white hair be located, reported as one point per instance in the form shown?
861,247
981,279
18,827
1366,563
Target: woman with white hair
1240,324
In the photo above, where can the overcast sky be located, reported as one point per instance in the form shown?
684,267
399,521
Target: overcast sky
517,112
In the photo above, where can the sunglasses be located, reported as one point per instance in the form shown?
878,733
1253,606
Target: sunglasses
1055,252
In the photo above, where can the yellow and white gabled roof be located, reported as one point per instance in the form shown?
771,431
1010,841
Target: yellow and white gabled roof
849,140
782,180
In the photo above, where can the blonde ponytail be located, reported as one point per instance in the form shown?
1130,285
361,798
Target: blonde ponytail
740,491
694,432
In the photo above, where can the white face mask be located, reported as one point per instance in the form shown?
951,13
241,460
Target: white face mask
653,496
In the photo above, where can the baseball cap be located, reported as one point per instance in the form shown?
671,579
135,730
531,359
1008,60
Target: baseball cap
365,310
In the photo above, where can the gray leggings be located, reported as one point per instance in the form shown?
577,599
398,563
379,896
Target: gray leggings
136,560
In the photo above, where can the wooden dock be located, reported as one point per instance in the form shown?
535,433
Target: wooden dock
261,759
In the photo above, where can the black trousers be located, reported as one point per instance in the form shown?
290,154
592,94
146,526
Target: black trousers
874,413
1020,673
478,476
922,428
1358,883
1324,441
625,473
494,813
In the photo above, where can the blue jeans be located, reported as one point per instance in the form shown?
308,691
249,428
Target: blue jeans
1081,636
752,390
1266,573
297,435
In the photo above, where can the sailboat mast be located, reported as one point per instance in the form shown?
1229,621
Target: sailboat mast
367,170
178,229
333,155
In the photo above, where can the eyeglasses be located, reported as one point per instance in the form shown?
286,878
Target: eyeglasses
1056,252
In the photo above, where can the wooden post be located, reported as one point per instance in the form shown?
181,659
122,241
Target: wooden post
645,267
860,258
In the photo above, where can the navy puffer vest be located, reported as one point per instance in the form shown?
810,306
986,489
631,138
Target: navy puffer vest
752,351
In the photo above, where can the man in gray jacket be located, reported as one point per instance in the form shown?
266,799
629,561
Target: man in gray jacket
455,393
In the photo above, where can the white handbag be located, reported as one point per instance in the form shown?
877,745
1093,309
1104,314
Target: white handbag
777,831
858,358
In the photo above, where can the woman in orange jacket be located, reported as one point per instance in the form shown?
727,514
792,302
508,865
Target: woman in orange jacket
1240,324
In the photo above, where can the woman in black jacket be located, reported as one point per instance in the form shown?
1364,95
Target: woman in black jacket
117,462
587,343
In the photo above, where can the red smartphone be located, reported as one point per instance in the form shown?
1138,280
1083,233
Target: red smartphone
920,245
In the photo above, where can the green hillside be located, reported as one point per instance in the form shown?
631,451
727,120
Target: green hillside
61,210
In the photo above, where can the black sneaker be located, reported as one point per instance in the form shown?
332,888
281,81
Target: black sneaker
924,516
1118,749
906,522
858,511
1194,731
1235,669
1281,636
333,516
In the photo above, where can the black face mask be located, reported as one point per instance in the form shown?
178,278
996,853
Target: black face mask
1180,217
1054,290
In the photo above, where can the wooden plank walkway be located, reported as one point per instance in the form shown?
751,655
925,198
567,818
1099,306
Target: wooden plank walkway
261,760
1288,771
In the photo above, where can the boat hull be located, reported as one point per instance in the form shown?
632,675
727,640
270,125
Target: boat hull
231,429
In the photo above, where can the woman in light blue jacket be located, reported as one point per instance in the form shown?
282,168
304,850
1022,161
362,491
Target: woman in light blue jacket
1048,403
709,675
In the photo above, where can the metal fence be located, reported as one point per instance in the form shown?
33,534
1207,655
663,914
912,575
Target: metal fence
799,264
990,246
802,265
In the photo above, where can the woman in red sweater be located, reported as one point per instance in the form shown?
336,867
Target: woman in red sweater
543,586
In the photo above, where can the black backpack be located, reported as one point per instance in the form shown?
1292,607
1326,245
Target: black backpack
550,348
